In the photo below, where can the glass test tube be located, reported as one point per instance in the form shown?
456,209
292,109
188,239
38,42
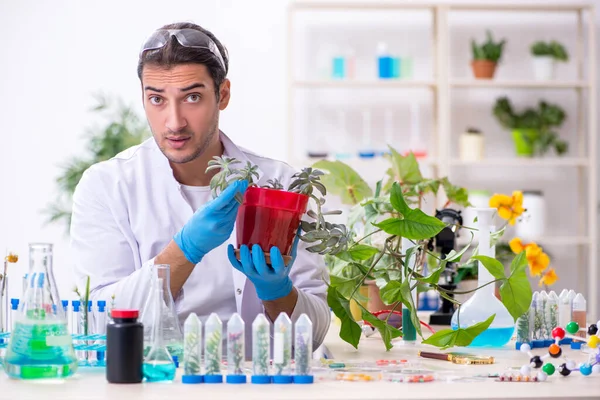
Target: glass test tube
192,349
235,349
282,349
261,348
303,335
213,349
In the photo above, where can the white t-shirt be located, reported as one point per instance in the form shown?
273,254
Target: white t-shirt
220,301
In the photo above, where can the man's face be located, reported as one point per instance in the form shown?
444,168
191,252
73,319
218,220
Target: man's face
182,109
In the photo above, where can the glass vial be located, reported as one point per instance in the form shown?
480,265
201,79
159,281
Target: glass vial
524,331
213,349
541,315
192,350
124,347
100,331
367,149
551,313
303,337
236,353
261,346
14,309
282,349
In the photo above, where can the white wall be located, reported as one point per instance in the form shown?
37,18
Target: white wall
56,54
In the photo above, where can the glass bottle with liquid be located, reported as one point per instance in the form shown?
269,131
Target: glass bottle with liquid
158,364
172,333
483,304
40,346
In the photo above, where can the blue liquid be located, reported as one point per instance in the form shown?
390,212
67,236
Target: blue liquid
157,372
339,67
492,337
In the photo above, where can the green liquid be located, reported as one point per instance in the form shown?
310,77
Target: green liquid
409,333
157,372
40,350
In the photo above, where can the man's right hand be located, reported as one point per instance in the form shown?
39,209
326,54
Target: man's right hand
211,225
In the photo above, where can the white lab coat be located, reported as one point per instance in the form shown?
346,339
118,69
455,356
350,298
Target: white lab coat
127,209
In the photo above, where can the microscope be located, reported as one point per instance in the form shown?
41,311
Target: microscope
443,243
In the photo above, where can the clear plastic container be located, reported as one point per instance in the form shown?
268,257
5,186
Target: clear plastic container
192,350
261,347
213,349
303,338
282,349
483,304
40,346
236,349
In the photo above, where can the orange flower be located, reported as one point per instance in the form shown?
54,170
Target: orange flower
516,245
509,207
11,258
549,277
537,260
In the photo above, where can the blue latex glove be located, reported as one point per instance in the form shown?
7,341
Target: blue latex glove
211,225
270,281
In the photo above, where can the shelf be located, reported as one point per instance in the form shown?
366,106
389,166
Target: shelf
360,164
339,6
323,84
485,83
524,162
519,7
562,241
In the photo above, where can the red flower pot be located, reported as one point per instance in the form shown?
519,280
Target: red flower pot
269,218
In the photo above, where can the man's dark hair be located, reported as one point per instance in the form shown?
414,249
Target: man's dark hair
175,54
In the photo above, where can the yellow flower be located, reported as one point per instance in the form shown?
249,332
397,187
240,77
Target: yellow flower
549,277
516,245
11,258
538,260
509,207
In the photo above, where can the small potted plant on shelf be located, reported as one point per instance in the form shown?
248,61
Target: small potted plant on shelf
270,215
532,129
470,145
545,56
486,56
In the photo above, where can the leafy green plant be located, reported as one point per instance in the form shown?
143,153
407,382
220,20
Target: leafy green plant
378,221
122,130
542,120
553,49
84,298
489,50
212,355
325,237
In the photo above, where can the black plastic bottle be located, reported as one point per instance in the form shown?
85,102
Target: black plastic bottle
124,347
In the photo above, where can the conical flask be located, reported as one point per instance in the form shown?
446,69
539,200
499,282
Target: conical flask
172,334
40,344
158,364
484,303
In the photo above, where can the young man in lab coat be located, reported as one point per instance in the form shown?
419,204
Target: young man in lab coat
151,204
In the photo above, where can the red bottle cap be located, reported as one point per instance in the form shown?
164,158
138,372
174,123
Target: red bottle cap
124,313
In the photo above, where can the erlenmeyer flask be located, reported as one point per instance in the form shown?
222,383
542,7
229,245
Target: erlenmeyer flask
158,364
172,333
483,304
40,344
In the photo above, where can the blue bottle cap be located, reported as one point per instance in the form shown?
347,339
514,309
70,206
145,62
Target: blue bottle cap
192,379
236,378
176,361
53,308
304,379
76,304
282,379
90,305
100,355
14,303
213,378
65,303
261,379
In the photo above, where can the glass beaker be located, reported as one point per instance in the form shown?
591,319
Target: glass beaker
172,333
40,344
484,303
158,364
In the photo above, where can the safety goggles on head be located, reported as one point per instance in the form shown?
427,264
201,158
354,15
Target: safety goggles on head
186,38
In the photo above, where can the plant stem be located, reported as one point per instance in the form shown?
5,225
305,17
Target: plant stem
366,236
468,291
362,279
351,193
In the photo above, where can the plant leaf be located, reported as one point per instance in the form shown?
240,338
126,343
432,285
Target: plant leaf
344,181
397,200
494,266
391,293
406,169
516,291
387,332
350,331
434,277
460,337
416,225
455,194
358,252
407,300
453,256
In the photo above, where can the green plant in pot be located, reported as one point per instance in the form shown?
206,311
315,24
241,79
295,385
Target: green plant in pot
545,57
532,129
486,56
380,220
271,216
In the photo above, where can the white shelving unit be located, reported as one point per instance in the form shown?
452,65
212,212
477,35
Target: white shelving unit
582,157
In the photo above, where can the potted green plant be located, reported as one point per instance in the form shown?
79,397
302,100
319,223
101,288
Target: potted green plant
532,129
379,221
270,216
486,56
545,56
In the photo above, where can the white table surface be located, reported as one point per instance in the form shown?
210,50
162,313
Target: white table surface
91,384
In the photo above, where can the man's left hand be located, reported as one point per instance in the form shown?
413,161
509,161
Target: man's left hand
271,281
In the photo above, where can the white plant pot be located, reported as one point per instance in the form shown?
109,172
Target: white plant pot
470,146
543,68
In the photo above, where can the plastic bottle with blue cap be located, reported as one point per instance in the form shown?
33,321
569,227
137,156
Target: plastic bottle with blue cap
213,349
261,345
100,329
236,353
192,350
303,335
14,309
282,349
